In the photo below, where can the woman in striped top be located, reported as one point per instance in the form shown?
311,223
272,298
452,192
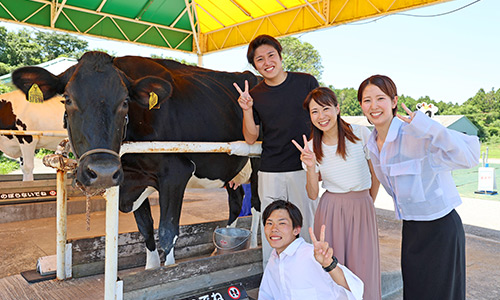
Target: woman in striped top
336,155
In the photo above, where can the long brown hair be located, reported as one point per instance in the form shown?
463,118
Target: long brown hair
326,97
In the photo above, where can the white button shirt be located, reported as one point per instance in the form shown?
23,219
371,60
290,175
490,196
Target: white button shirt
415,165
296,275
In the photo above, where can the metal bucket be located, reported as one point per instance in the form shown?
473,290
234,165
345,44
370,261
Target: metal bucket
228,240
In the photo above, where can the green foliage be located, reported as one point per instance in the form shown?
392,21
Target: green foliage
40,153
348,101
7,165
5,68
300,57
5,88
493,147
59,44
27,47
483,109
20,49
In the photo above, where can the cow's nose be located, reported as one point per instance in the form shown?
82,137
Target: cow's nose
104,176
98,172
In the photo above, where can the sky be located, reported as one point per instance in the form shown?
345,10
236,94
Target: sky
448,58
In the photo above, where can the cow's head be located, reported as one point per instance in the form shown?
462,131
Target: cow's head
97,96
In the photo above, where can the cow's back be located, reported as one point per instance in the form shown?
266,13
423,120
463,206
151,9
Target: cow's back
203,105
19,114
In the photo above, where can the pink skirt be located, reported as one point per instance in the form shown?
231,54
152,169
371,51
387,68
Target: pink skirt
351,230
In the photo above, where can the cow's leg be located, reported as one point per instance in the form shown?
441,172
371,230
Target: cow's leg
256,211
235,199
144,220
170,210
172,186
28,158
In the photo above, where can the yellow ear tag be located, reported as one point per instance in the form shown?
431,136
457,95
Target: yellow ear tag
153,100
35,95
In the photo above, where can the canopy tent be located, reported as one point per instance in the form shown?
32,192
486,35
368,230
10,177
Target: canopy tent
195,26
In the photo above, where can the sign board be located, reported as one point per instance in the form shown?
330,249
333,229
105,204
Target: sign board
486,179
27,195
230,292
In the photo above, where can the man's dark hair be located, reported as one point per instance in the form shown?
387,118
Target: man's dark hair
263,39
292,210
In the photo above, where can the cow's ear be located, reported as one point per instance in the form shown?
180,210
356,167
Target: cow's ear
49,84
142,89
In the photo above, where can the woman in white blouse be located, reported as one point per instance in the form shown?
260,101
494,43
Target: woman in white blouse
336,155
412,157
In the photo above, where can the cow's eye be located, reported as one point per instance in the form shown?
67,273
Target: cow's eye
125,103
67,100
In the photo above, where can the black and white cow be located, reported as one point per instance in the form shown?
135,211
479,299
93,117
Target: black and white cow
18,114
103,93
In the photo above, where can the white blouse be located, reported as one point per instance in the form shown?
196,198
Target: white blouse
351,174
415,166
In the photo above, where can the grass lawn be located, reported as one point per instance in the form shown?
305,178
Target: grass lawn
493,150
466,181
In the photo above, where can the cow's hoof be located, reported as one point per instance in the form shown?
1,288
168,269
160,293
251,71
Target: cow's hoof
170,259
152,259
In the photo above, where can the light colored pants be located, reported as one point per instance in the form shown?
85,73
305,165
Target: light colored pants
289,186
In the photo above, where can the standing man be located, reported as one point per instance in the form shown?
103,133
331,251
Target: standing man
276,105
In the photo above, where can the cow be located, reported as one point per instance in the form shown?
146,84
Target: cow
18,114
133,98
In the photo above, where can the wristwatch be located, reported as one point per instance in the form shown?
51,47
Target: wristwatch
332,266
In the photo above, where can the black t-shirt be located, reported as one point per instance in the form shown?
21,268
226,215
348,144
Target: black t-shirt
278,109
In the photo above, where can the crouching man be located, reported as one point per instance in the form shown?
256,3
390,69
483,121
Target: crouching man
297,269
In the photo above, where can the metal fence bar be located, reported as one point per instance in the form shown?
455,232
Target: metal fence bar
61,133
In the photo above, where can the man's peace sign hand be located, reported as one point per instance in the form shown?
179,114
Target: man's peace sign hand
307,156
245,100
322,252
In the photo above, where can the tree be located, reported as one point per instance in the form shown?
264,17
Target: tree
19,49
26,47
56,44
300,57
5,88
348,101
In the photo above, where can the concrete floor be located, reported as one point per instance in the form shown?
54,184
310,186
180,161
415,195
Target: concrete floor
24,242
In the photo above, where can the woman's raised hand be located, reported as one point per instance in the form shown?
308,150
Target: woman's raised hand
307,156
410,116
322,251
245,100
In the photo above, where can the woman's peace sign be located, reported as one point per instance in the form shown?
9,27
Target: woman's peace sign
307,156
245,100
410,116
